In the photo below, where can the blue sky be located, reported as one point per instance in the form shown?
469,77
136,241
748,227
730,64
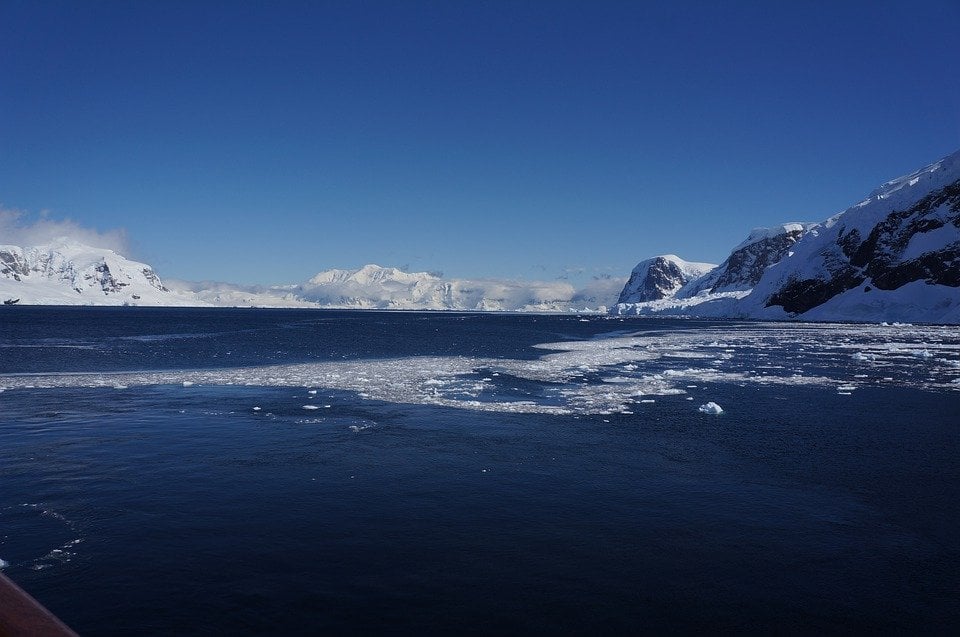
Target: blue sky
261,142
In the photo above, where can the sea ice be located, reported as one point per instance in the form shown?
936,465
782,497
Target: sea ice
711,408
636,364
310,407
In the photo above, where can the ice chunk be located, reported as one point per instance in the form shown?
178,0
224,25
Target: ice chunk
310,407
711,408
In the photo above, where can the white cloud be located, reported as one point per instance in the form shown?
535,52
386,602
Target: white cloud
22,229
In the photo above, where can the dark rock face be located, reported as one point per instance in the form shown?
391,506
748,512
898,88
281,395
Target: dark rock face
12,265
744,267
879,257
154,280
659,280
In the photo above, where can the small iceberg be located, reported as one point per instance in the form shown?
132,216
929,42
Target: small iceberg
711,408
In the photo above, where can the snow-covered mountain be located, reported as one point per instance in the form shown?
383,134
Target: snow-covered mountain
742,270
893,256
65,272
235,295
661,277
376,287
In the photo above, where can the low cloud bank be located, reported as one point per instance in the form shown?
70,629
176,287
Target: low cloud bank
20,228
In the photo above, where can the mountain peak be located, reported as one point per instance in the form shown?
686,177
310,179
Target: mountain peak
894,256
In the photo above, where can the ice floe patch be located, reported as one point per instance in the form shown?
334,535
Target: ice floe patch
711,408
603,375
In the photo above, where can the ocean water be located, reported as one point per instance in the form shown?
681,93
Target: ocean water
188,471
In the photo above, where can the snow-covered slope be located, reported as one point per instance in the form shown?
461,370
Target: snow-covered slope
65,272
893,257
661,277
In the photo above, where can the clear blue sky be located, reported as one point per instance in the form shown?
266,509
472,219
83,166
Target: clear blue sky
265,141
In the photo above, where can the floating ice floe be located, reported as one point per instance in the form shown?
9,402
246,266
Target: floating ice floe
311,407
711,408
562,379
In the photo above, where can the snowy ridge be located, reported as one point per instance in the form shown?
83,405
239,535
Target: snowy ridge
66,272
930,177
762,234
894,256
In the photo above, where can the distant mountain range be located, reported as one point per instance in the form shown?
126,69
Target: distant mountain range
66,272
895,256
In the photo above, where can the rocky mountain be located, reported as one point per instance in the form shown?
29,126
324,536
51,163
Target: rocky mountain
65,272
661,277
894,256
743,269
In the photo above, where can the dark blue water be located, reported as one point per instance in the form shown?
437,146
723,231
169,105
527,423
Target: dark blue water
447,476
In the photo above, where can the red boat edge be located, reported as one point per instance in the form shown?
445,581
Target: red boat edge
22,616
